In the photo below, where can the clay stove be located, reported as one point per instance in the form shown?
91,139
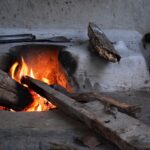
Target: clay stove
124,22
83,71
46,63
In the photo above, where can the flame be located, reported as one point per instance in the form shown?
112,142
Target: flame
13,68
44,67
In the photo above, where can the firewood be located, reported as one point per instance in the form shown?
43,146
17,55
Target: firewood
101,43
12,94
92,96
126,132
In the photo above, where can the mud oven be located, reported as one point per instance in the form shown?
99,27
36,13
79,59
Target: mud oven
64,60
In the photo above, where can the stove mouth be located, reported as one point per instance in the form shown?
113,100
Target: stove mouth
51,64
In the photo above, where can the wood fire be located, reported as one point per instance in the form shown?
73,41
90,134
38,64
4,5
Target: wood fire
45,67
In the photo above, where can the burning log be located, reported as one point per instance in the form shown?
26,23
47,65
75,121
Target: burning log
12,94
101,43
126,132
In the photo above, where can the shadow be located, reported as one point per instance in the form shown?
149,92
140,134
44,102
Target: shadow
145,49
91,65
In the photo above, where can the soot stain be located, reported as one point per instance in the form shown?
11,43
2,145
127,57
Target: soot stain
68,61
48,3
3,18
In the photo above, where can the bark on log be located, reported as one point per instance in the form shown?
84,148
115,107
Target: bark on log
126,132
12,94
101,43
121,106
131,110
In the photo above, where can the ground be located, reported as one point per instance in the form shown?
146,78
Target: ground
36,130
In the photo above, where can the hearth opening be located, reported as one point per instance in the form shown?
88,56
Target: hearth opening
48,63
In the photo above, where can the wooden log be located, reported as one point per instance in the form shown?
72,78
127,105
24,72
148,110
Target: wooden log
121,106
126,132
101,43
132,110
12,94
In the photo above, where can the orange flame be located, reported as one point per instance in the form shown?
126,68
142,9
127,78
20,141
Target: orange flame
44,67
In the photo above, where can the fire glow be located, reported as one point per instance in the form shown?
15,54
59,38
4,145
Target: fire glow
44,67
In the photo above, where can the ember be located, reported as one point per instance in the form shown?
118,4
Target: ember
45,67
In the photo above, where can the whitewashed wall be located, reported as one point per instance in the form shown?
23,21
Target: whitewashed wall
124,14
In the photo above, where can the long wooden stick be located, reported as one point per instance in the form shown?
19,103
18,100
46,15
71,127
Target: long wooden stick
126,132
85,97
92,96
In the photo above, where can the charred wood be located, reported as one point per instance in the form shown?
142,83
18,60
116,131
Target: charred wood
101,44
12,94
